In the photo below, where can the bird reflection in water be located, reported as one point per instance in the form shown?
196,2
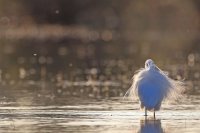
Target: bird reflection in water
150,126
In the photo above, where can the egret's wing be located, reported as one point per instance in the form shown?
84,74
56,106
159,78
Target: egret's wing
175,88
132,92
127,93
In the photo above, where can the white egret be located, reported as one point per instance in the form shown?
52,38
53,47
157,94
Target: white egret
151,86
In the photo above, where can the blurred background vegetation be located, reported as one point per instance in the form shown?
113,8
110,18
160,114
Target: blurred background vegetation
101,40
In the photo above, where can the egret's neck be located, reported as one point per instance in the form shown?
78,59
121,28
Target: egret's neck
150,67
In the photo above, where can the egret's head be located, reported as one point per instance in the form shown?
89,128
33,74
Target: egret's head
149,63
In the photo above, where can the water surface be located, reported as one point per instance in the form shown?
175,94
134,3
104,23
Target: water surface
31,110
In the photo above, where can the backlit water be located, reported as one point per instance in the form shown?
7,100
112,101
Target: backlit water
30,108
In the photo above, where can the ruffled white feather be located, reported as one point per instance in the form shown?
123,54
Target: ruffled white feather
152,85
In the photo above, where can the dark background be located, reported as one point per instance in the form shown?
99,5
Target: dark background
107,40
